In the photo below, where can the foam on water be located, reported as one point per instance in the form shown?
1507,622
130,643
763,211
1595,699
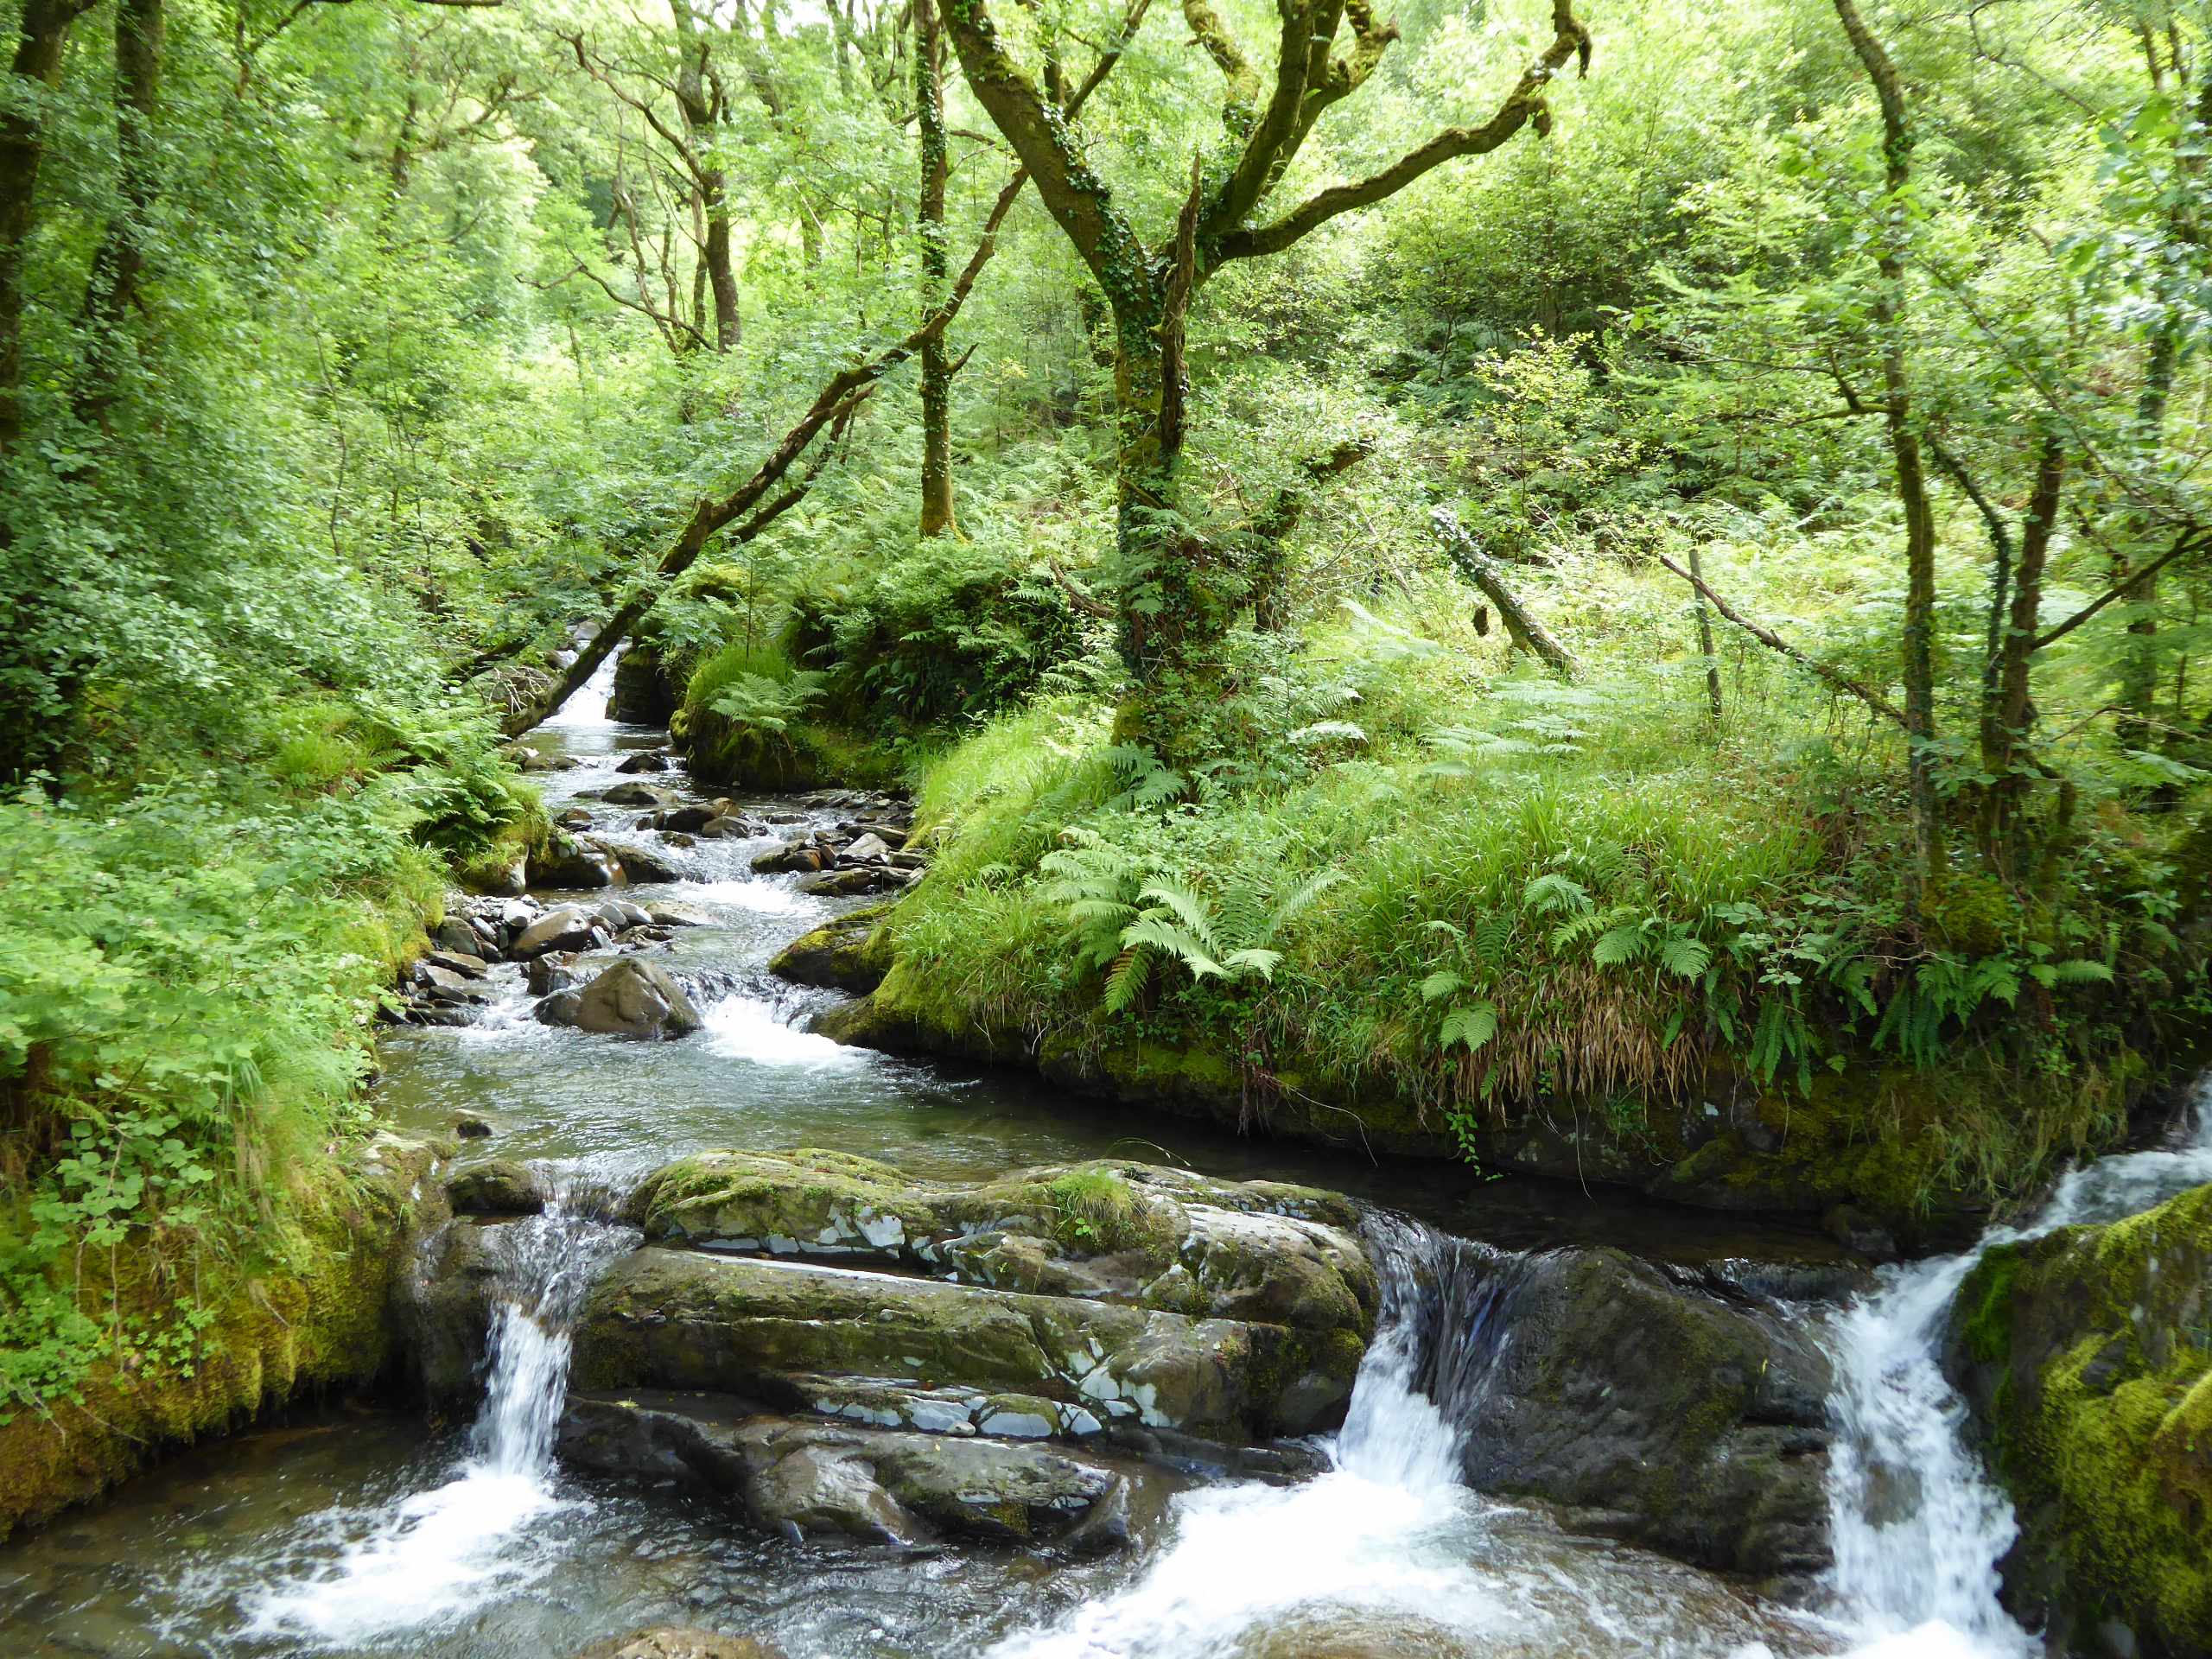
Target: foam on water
743,893
748,1028
352,1575
1919,1526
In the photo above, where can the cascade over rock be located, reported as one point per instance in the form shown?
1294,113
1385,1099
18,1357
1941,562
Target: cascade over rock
2086,1356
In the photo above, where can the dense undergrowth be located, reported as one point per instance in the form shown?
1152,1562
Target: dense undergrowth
1485,894
187,989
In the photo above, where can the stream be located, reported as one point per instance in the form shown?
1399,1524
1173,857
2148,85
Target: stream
358,1532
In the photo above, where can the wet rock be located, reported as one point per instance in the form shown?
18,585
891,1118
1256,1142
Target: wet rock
466,963
678,916
679,1642
617,914
1115,1231
548,974
501,1186
795,857
688,1321
636,794
688,819
568,862
630,998
1658,1413
644,863
456,934
574,818
2084,1358
441,1309
469,1126
728,827
646,760
571,927
444,985
885,1486
844,883
846,953
870,849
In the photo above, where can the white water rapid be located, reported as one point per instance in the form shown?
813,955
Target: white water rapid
586,704
1919,1526
353,1576
1387,1552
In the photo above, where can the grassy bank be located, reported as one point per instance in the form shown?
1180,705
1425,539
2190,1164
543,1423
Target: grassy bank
1432,902
187,988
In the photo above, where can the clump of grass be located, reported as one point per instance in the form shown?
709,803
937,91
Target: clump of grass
1098,1213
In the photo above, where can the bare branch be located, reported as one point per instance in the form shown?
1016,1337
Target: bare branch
1523,107
1767,637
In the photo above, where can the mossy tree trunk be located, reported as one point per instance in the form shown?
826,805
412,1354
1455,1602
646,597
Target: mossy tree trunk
1173,603
936,364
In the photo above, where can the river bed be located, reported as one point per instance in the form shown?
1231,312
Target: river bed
358,1533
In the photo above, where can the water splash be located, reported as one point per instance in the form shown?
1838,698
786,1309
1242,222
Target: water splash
751,1028
1919,1526
1388,1551
587,705
351,1575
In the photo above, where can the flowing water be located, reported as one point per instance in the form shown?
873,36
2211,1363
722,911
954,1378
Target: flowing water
1919,1526
366,1534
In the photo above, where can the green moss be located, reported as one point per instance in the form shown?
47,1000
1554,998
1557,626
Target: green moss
314,1321
2088,1356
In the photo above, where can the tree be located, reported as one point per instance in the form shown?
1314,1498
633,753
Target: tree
1171,606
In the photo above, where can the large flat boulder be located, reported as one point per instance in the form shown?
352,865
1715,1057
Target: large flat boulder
689,1320
1109,1230
884,1485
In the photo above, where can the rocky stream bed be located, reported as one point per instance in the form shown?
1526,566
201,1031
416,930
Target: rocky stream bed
709,1324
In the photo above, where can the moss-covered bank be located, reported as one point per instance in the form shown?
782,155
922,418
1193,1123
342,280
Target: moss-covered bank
1582,959
317,1323
2086,1357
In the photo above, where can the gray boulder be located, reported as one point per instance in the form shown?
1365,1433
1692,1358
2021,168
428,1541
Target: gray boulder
885,1486
644,863
1657,1412
570,927
630,998
568,862
500,1186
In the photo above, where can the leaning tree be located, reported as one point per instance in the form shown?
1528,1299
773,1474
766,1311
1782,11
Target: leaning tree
1176,594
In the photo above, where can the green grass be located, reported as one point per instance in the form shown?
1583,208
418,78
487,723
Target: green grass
1542,897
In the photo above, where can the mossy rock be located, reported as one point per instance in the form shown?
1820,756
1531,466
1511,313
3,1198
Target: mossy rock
317,1321
1110,1230
687,1320
2086,1357
850,952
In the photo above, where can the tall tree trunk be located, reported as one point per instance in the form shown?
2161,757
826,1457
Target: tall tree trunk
936,373
721,278
700,100
119,262
36,65
1889,310
2007,710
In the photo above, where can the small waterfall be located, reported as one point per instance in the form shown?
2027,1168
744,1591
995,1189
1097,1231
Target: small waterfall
1919,1526
586,704
550,1264
1389,1551
356,1575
